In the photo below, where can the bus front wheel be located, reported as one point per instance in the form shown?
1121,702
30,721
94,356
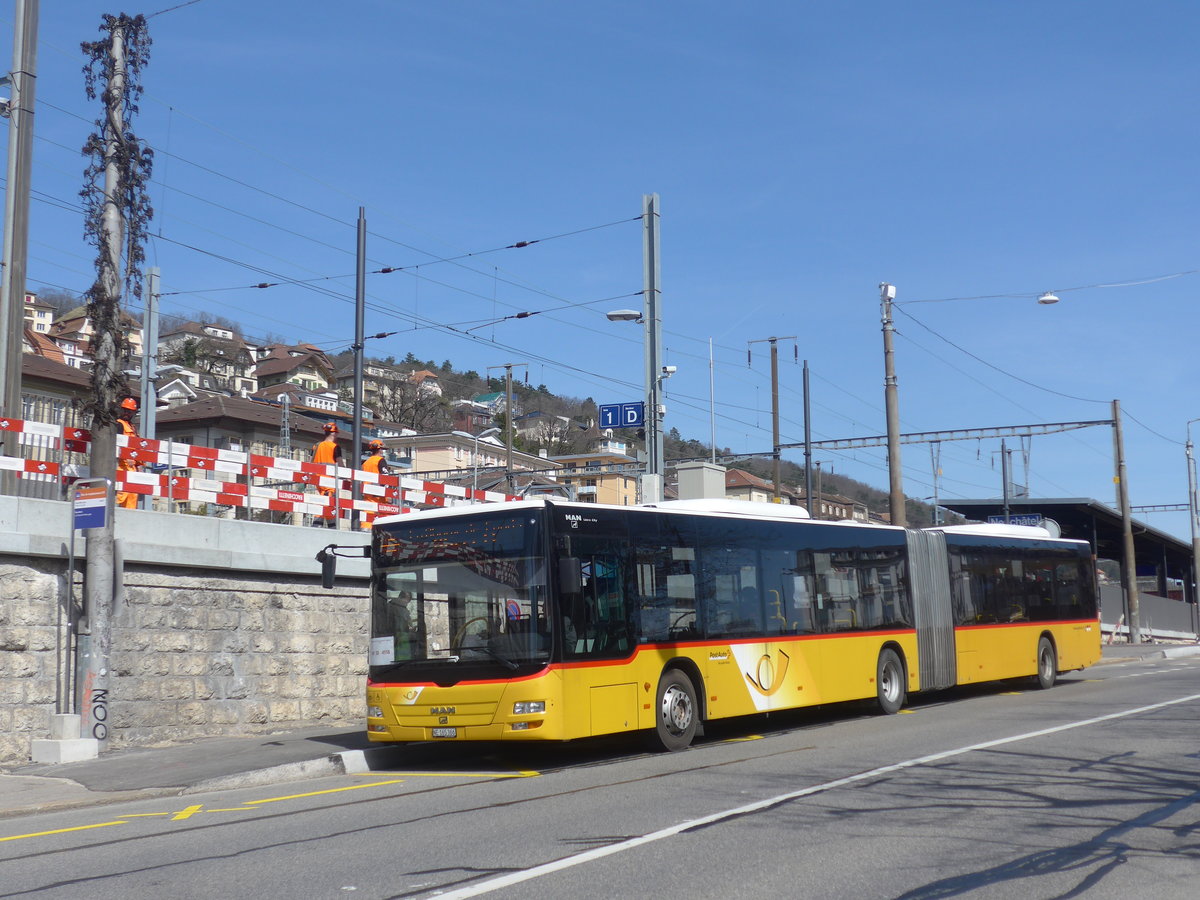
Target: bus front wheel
889,682
676,713
1047,664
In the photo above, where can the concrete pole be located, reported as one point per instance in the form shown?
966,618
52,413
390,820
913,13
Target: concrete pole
776,473
150,294
820,512
712,406
1192,516
1129,563
508,426
808,481
360,304
94,649
652,491
1004,479
22,81
887,293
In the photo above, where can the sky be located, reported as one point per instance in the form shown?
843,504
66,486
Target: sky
974,155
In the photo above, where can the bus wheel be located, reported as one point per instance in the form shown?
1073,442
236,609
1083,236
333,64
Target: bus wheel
1047,663
676,717
889,682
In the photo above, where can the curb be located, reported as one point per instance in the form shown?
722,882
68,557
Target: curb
346,762
91,798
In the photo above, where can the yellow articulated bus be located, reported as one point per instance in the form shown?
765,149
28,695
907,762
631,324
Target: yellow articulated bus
548,620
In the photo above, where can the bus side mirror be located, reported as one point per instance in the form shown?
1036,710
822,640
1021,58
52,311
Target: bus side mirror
328,566
570,575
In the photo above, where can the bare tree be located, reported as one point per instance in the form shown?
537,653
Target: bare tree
403,401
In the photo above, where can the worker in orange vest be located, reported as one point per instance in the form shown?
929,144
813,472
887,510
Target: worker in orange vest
125,412
376,463
329,452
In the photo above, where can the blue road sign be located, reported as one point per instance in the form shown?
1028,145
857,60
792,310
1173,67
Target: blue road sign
623,415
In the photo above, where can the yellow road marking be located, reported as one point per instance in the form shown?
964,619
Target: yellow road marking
353,787
745,737
17,837
523,774
188,812
906,712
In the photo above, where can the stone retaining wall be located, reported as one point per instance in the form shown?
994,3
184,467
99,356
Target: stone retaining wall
223,628
29,596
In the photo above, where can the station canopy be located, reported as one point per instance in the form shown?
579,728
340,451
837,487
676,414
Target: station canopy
1157,553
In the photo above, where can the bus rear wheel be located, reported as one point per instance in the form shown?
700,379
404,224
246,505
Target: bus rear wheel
1047,664
889,682
676,713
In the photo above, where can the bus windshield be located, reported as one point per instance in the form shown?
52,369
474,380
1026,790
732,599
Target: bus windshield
468,592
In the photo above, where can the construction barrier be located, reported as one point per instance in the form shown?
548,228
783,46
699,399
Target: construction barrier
235,478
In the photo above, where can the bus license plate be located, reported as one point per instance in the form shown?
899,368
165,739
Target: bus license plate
445,732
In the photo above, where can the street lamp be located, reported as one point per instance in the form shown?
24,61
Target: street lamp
652,483
486,433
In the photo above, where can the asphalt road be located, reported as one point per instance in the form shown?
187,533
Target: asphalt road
1089,789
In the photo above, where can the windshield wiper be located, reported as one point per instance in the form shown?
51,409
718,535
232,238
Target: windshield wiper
496,656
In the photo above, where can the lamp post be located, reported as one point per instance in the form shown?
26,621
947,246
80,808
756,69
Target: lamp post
652,481
486,433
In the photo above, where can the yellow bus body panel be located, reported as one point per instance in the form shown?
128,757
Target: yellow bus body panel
992,652
737,678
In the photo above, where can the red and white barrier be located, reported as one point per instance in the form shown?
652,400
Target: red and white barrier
229,475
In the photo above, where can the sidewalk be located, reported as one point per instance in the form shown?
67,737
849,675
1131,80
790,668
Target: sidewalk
207,764
230,762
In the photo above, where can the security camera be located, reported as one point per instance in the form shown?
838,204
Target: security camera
668,371
5,107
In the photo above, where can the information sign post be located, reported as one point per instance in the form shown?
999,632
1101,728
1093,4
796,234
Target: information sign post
91,507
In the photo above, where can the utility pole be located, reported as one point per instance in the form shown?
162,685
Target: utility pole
1004,493
508,426
808,481
22,81
1193,512
150,295
819,493
117,218
887,293
95,638
508,417
775,455
1129,564
935,459
360,305
652,486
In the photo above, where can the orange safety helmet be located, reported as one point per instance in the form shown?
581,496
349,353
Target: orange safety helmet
375,445
130,403
331,428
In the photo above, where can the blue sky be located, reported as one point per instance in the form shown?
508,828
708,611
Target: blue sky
803,153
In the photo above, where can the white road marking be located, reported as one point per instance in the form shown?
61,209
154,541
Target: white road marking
495,884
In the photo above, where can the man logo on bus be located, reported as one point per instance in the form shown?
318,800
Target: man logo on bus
770,675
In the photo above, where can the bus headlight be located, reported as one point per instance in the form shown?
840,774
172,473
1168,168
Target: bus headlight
529,707
374,712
